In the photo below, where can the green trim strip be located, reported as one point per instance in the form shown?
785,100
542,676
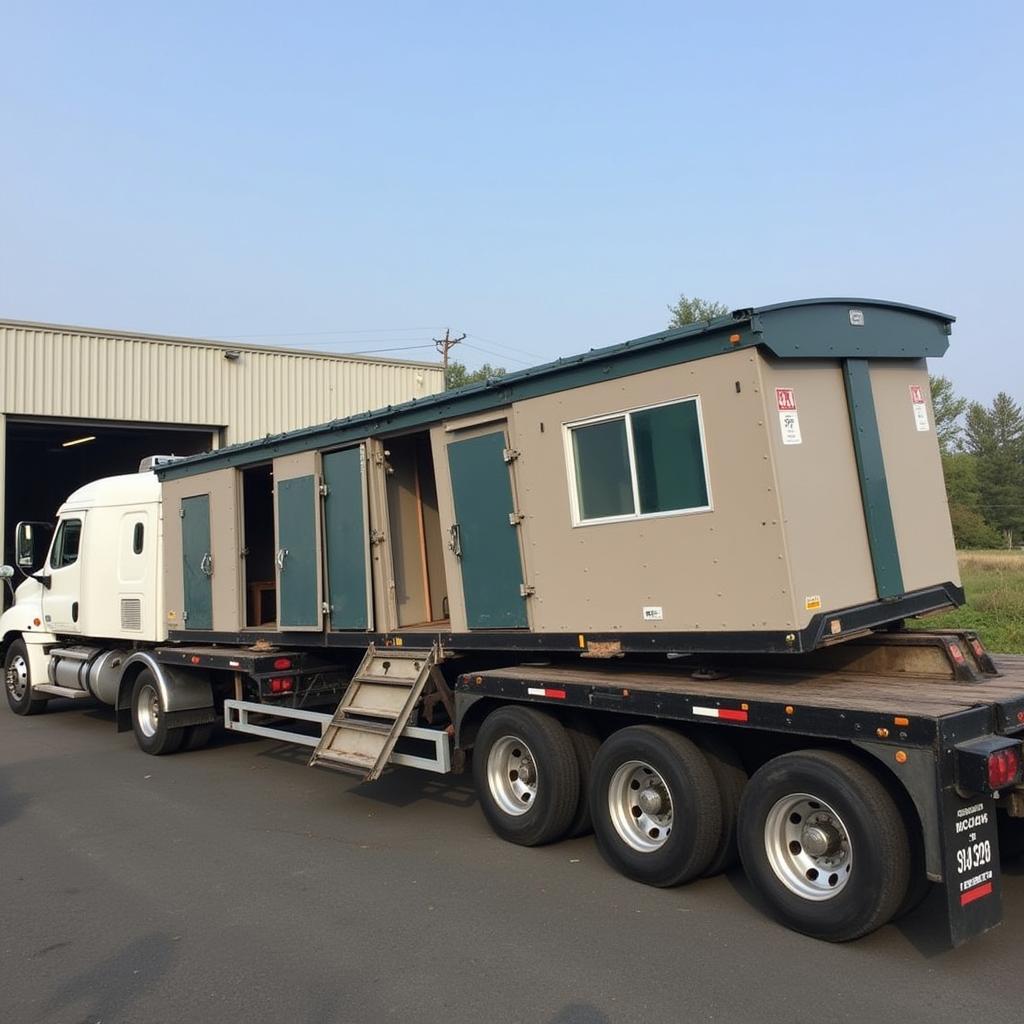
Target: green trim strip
874,489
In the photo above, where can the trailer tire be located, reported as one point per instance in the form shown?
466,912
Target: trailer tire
18,681
585,744
526,775
655,804
731,777
197,736
823,842
1011,836
149,720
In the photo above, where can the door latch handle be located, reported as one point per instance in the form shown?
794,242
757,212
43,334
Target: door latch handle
455,540
206,565
281,556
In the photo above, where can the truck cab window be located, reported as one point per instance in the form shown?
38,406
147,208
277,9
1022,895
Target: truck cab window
66,543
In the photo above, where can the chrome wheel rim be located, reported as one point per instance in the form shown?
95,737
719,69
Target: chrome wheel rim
808,847
147,710
640,806
17,677
512,775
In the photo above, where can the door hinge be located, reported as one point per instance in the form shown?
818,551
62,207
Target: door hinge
510,454
181,513
324,490
376,536
325,608
184,616
527,590
515,518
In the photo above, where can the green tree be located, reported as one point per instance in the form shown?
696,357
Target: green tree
949,408
690,311
458,376
995,436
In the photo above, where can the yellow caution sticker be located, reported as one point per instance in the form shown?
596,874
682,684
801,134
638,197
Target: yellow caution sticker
812,602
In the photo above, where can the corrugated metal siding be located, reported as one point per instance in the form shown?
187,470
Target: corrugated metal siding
64,372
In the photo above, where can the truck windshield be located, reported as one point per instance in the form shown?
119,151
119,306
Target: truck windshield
66,543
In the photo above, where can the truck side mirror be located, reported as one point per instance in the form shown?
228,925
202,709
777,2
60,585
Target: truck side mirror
31,543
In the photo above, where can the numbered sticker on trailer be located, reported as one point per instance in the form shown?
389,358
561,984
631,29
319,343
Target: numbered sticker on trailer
919,406
789,420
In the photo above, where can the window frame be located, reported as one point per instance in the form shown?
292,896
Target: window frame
627,416
58,538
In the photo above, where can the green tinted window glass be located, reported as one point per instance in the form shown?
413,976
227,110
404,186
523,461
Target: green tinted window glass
669,461
603,483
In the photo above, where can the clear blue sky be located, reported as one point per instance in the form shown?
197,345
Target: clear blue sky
545,176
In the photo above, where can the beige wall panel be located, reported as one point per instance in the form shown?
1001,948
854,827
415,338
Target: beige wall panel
913,470
80,373
225,531
719,570
819,485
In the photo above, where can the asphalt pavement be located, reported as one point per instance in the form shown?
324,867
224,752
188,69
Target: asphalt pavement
234,884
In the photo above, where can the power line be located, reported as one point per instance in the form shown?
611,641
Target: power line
497,355
500,344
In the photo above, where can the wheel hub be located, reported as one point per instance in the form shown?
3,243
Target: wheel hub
651,801
640,806
512,775
17,677
820,840
808,846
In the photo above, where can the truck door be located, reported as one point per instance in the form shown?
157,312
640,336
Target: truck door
484,537
62,601
297,534
347,535
197,562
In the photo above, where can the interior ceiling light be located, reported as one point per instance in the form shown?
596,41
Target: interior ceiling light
78,440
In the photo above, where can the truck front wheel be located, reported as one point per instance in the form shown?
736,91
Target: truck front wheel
149,720
823,842
526,775
656,806
18,681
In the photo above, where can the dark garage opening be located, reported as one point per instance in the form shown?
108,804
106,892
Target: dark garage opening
42,469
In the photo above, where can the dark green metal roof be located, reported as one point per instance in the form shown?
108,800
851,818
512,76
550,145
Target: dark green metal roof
803,329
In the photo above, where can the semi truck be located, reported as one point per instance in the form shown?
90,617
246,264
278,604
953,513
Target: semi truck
665,592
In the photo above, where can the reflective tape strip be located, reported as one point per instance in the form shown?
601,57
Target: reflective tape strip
537,691
729,714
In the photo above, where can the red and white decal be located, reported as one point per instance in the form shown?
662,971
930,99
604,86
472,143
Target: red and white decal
920,409
729,714
789,421
975,893
545,691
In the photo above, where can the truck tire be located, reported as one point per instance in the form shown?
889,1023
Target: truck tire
732,780
822,841
655,804
149,720
18,681
585,743
526,775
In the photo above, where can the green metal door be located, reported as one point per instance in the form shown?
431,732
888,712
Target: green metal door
483,536
348,541
197,562
298,574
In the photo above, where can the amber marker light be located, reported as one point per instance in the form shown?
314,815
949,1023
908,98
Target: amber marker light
789,709
901,757
734,339
900,720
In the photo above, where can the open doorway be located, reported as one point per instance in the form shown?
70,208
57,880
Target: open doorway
258,546
421,590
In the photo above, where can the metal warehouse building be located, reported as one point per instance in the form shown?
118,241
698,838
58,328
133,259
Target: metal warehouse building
79,403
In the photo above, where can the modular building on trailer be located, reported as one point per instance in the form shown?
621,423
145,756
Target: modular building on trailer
729,522
768,481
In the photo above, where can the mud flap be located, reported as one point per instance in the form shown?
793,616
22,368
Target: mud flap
970,865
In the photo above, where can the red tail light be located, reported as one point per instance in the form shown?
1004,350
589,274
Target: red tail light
1003,766
280,685
280,663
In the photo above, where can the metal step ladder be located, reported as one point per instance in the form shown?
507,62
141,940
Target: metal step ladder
374,711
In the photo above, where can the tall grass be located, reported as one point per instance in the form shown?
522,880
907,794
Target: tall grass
994,582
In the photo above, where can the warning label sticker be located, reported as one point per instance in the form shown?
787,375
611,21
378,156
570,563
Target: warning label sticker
789,422
812,602
920,409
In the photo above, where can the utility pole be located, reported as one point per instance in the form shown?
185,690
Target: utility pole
444,346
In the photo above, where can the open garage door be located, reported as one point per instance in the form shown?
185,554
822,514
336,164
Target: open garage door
46,459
